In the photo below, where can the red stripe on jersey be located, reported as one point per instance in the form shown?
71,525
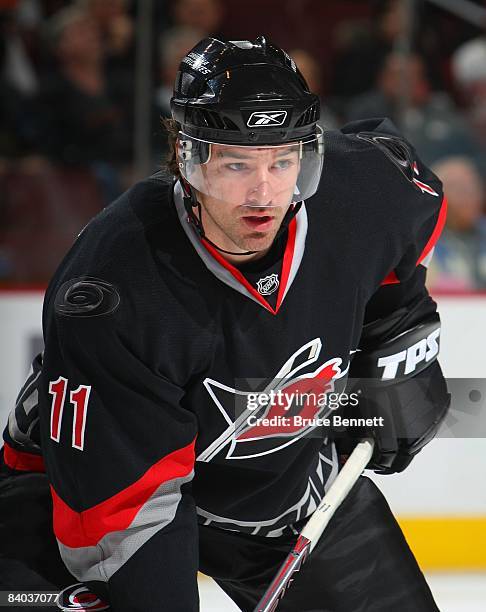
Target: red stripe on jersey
286,265
237,275
21,461
390,279
287,261
86,528
439,226
425,188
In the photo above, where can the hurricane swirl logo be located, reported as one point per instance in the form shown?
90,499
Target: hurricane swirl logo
79,597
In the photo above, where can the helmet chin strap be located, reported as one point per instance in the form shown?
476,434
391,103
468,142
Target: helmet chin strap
191,202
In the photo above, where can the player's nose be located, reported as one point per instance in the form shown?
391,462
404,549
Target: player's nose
261,194
261,191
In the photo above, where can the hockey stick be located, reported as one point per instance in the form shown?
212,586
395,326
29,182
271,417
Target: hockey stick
311,533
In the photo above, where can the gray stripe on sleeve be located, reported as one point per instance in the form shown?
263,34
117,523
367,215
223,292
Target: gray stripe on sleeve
100,562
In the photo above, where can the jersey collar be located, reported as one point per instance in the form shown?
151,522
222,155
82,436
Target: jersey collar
229,274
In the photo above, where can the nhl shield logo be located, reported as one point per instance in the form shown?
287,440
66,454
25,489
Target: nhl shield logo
268,284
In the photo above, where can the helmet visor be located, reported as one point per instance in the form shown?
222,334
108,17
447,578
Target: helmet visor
254,176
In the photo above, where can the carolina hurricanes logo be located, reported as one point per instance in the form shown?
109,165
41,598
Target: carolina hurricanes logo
246,437
78,597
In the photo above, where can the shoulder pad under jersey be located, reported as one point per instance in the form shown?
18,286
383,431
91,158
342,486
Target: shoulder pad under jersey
397,149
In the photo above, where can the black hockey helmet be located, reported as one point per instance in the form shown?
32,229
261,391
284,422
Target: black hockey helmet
243,93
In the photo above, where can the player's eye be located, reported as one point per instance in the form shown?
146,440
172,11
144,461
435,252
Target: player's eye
283,164
236,166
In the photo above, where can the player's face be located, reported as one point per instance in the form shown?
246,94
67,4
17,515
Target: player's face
251,190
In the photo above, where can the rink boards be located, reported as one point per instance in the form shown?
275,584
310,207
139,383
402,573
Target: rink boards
440,500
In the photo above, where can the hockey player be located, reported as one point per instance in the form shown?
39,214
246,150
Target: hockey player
192,304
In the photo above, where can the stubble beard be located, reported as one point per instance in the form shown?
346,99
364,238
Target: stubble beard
233,235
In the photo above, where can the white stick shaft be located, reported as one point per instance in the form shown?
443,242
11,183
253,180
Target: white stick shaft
341,486
311,533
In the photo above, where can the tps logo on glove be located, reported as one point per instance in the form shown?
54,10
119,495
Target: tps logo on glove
424,350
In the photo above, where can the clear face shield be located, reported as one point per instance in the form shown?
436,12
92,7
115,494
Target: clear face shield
268,176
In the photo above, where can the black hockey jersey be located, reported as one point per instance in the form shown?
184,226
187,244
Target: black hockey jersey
157,351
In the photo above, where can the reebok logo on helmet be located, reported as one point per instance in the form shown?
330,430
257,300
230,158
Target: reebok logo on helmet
267,118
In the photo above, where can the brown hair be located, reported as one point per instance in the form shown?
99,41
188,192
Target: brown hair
170,163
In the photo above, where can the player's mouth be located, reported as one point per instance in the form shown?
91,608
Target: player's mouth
261,223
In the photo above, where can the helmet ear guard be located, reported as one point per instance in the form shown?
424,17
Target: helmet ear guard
190,149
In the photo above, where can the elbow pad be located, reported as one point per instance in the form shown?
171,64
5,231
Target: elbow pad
403,391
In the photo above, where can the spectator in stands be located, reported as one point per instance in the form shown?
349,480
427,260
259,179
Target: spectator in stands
362,46
203,15
459,262
173,45
10,142
469,73
310,68
18,83
117,32
17,67
83,121
428,119
108,15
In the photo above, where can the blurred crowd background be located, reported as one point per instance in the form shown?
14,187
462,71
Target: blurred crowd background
85,83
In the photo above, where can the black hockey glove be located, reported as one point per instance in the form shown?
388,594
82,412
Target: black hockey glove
402,393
